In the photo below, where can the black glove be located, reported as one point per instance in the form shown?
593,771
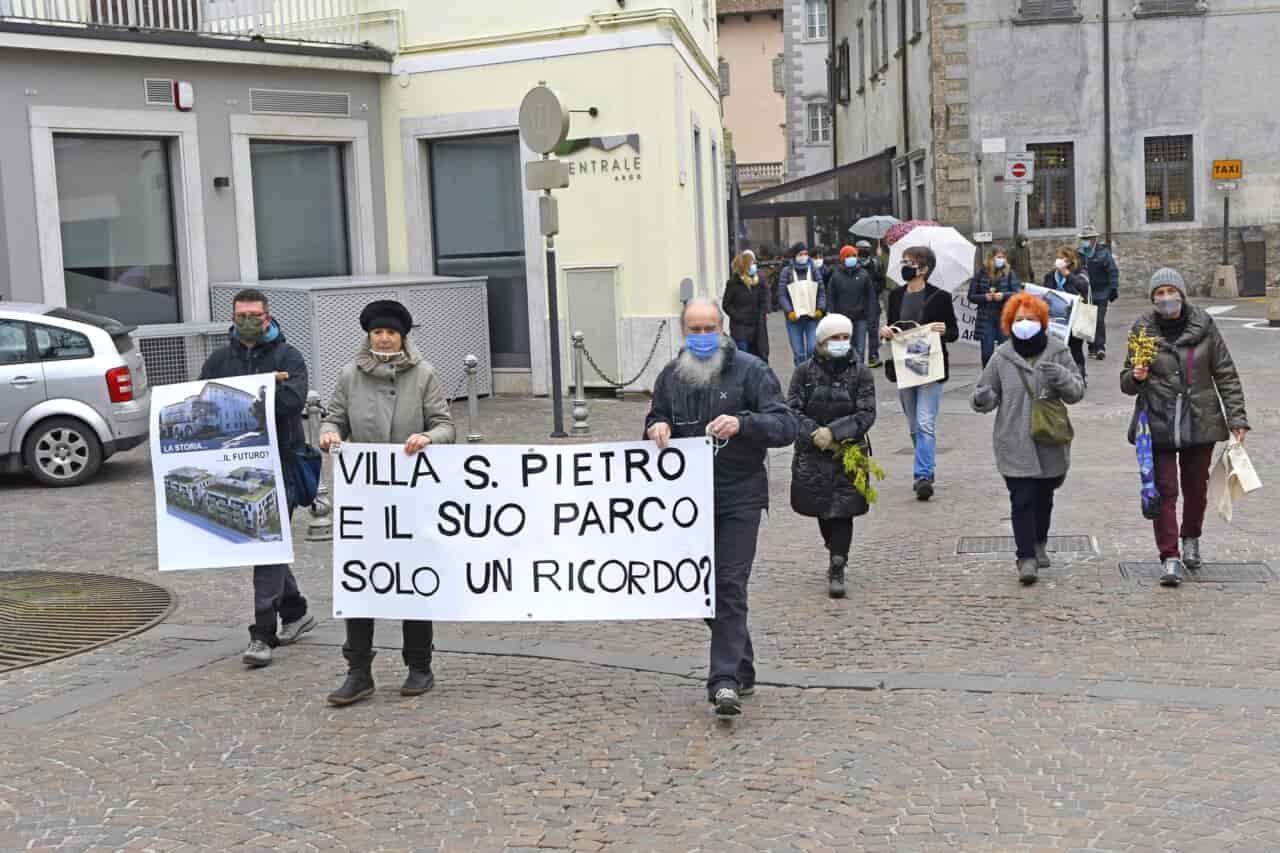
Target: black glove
1115,294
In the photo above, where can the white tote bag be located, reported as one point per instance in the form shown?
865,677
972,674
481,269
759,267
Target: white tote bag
1084,320
1232,478
804,295
917,357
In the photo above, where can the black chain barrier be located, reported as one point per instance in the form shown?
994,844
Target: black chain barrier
648,361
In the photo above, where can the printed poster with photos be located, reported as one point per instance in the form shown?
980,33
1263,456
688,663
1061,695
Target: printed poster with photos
220,496
1062,310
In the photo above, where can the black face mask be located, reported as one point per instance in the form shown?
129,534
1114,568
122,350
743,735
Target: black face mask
908,273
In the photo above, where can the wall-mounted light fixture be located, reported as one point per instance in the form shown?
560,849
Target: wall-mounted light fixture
221,183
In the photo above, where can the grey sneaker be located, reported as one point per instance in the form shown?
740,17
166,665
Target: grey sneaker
728,705
258,654
1027,571
291,631
1172,572
1042,555
1191,554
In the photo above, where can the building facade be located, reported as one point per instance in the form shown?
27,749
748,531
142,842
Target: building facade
245,499
143,159
217,408
990,77
645,206
752,72
806,46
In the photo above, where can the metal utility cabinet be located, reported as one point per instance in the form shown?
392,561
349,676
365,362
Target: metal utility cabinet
321,317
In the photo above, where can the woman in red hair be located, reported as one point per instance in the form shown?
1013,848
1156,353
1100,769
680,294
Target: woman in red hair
1030,365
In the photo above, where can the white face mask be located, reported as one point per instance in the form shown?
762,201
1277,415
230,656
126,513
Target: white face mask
1061,265
1025,330
387,356
838,349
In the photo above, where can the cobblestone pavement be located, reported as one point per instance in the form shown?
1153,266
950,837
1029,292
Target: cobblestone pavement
941,706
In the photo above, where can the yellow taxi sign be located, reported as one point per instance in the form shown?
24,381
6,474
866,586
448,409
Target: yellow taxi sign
1228,170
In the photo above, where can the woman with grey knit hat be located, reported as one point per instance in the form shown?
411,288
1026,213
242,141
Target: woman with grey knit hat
1193,398
834,399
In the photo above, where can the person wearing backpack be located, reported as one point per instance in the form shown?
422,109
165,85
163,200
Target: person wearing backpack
1028,382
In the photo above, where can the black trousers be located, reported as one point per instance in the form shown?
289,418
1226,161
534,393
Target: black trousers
418,634
732,657
837,533
1031,499
276,599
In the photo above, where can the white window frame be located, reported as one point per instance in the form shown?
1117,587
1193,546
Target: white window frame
824,109
414,134
187,191
816,22
352,134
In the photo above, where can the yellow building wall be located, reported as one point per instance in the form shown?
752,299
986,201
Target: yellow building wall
754,113
647,226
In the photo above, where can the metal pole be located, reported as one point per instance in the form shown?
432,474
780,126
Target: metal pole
735,193
1017,215
320,528
982,218
471,364
581,415
1106,117
1226,224
553,310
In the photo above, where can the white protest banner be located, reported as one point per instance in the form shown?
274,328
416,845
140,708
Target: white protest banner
516,533
966,317
1062,309
220,498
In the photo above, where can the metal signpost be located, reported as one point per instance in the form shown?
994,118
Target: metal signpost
1019,173
1227,174
544,125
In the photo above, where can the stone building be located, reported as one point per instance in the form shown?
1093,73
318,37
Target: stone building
1026,76
806,36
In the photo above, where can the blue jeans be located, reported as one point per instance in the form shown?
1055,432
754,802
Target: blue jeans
920,404
860,341
990,335
803,335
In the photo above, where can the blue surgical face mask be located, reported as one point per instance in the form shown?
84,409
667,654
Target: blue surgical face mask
999,263
838,349
851,262
752,270
703,345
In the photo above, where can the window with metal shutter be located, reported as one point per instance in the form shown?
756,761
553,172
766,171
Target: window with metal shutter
1039,10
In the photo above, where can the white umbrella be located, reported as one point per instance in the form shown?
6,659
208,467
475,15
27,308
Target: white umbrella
873,226
955,256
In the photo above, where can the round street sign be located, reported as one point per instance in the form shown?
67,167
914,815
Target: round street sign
1018,170
544,122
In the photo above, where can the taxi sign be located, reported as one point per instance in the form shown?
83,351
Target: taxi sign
1228,170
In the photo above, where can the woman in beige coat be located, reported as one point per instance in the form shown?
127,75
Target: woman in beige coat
388,395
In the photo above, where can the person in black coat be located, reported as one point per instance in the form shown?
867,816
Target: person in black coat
746,303
1067,278
834,399
921,304
256,345
712,388
851,293
990,288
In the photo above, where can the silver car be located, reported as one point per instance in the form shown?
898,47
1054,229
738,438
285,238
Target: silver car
73,391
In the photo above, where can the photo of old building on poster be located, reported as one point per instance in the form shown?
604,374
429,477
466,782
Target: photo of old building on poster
217,416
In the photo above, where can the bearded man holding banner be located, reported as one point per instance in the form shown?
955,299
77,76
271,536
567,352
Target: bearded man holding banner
714,389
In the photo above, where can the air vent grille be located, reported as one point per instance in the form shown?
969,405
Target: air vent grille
159,93
281,102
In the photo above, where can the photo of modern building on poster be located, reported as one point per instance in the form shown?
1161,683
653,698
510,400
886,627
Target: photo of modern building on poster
218,417
239,505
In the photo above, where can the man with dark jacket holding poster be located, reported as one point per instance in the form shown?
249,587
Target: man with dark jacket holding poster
712,388
256,346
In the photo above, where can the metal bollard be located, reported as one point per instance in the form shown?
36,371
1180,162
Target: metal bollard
471,365
580,414
320,527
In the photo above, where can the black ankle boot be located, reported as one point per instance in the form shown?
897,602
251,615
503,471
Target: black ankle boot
420,680
835,576
359,682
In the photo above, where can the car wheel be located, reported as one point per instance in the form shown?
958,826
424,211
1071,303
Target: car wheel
62,452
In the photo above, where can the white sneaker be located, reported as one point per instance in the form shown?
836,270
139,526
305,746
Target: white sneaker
291,631
727,703
258,654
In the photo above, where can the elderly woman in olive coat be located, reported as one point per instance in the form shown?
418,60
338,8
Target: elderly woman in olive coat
389,395
834,399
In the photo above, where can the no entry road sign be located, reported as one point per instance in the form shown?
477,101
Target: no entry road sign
1019,171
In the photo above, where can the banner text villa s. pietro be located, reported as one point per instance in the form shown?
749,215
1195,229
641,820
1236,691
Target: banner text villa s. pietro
516,533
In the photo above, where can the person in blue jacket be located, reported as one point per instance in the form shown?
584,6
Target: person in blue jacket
989,289
802,326
1104,284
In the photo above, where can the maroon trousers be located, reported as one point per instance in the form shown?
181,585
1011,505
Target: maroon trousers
1194,463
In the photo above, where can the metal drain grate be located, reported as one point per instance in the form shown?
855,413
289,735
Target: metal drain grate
1006,545
50,615
1208,573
